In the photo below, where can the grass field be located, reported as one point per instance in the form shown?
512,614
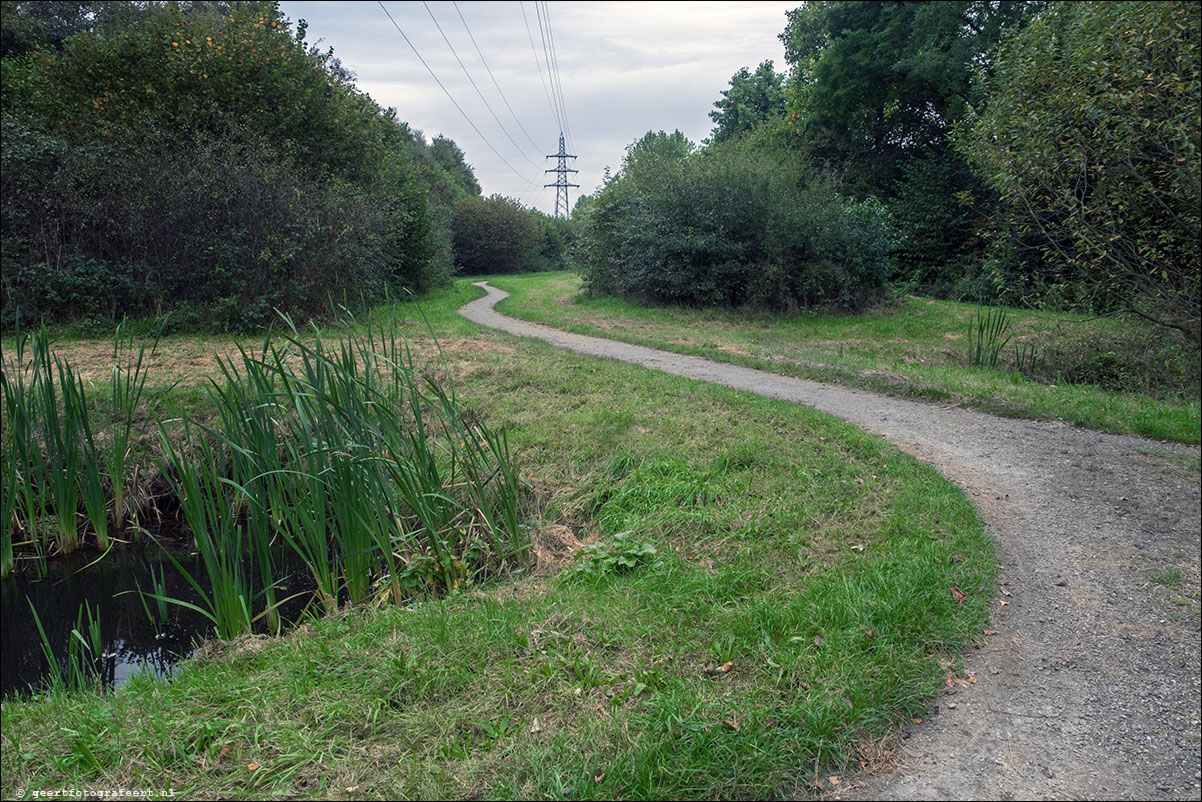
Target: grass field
917,347
769,593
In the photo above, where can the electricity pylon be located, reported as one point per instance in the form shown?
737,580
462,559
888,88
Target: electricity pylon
561,183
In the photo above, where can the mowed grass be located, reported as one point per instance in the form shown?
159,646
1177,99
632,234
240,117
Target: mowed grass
799,604
917,348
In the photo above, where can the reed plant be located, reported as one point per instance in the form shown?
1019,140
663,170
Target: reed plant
357,461
127,383
24,485
206,498
78,668
65,448
348,453
43,423
988,333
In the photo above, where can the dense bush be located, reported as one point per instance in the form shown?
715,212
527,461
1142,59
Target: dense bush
495,235
741,222
203,158
1091,137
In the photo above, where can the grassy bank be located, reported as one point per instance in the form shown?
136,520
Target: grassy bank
770,589
917,348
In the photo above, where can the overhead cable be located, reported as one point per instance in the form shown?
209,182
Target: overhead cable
538,64
494,78
449,97
558,77
473,83
542,34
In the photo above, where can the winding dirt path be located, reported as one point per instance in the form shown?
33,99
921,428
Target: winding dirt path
1090,687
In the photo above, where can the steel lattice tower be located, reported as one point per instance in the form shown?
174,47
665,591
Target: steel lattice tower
561,182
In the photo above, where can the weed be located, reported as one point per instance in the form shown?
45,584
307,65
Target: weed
1169,577
617,555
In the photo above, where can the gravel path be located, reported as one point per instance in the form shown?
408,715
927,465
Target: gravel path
1090,687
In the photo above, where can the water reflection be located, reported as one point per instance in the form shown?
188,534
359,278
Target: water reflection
135,633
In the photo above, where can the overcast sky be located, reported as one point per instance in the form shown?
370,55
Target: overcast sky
625,67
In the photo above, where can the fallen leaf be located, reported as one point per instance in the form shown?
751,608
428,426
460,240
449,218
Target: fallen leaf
958,595
818,784
350,789
598,778
868,633
726,667
1005,592
252,766
857,784
950,682
1003,602
917,721
224,752
535,727
991,632
858,547
835,780
731,724
972,677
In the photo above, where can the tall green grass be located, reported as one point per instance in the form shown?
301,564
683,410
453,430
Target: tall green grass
348,453
67,453
988,333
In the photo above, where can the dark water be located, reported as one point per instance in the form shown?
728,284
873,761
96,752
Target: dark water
133,640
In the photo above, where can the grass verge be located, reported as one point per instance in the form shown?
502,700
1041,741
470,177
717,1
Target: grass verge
798,604
915,349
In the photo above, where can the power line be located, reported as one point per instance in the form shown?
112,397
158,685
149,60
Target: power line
473,83
448,94
493,77
538,64
542,33
558,77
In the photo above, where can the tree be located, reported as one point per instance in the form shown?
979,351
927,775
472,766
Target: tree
874,92
753,98
873,84
1091,137
448,156
201,158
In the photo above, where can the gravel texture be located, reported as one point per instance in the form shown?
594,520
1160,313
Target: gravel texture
1088,680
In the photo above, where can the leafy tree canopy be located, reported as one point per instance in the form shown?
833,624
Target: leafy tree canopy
448,155
202,155
753,98
650,150
872,84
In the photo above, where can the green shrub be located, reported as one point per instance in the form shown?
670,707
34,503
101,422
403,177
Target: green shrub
211,163
742,222
494,235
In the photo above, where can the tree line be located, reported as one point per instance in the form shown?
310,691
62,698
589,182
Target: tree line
1020,152
203,163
